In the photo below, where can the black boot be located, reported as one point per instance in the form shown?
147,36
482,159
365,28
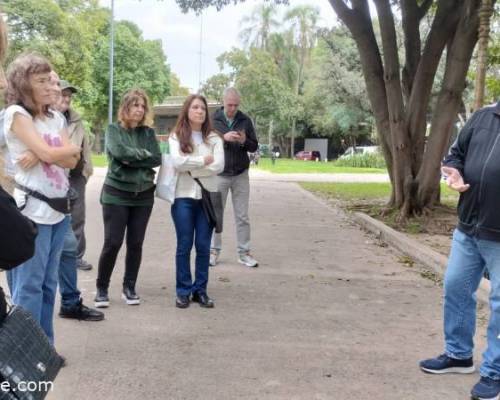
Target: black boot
101,298
130,296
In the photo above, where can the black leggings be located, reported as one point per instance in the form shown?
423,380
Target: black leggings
116,220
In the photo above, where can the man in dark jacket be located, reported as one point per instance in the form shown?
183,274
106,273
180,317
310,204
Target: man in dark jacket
239,140
473,169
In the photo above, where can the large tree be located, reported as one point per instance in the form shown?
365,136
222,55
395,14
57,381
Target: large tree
399,93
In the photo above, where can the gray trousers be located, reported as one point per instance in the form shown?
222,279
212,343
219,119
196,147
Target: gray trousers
79,183
240,193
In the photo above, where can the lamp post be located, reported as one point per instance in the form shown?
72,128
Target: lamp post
111,56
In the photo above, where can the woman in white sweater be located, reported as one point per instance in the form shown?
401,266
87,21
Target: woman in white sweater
197,152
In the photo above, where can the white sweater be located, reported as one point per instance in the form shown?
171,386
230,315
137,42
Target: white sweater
195,163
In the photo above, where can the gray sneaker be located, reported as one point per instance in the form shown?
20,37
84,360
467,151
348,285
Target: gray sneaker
248,260
214,257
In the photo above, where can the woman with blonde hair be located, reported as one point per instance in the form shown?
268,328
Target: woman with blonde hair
128,193
39,145
197,153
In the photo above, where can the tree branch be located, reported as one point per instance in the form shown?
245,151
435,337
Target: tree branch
424,8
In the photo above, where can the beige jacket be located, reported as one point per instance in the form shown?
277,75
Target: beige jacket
194,163
79,137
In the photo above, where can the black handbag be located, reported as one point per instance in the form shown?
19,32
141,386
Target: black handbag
212,206
17,234
28,362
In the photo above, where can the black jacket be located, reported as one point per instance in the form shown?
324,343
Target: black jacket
236,158
476,154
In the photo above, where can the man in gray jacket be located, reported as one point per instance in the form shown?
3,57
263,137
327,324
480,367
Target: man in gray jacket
78,176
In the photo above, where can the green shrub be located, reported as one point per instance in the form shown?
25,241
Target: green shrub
371,160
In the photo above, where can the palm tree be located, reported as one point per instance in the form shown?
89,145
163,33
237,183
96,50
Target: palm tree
303,20
259,26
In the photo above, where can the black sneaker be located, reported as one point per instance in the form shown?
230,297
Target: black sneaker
130,296
81,312
203,300
83,265
101,298
447,365
486,389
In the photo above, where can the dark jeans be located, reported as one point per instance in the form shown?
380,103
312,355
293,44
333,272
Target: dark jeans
191,225
79,182
68,277
117,219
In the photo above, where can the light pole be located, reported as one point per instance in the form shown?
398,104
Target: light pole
111,56
200,53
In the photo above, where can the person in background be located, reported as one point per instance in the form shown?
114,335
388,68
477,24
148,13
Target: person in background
71,302
38,142
239,139
197,153
128,193
78,176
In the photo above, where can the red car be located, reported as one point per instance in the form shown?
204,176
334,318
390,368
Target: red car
308,155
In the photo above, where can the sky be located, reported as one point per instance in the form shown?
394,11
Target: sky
180,33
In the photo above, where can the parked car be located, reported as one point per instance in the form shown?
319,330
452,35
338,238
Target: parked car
359,150
308,155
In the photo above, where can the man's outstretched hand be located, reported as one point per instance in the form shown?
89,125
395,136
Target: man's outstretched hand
454,179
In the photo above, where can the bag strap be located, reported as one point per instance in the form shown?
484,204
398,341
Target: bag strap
197,181
32,193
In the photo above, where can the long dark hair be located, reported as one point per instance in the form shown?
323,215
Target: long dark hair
183,127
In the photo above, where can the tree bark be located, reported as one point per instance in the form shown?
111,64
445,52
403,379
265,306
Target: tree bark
485,13
449,101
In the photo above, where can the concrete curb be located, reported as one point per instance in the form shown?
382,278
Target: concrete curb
417,251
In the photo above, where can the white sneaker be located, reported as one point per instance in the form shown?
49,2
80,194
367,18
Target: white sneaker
214,257
248,260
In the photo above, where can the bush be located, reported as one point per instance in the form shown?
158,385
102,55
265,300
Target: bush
372,160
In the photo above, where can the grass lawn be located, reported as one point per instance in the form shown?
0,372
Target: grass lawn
362,192
288,166
371,198
99,160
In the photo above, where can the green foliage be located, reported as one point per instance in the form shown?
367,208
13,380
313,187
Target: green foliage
74,36
369,160
199,5
175,86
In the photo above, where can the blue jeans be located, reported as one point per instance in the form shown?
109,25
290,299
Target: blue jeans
68,276
191,225
469,257
33,284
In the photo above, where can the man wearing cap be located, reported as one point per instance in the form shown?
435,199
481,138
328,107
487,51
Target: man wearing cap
80,174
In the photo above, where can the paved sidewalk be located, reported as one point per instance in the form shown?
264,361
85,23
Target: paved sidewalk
327,315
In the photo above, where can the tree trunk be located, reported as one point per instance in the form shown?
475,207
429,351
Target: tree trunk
485,13
292,137
449,101
413,165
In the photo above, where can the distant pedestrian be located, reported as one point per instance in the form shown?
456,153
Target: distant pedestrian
197,153
78,176
128,193
239,139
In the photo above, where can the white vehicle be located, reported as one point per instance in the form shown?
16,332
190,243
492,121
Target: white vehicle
359,150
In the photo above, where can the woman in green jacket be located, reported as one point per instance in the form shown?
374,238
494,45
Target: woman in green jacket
128,193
